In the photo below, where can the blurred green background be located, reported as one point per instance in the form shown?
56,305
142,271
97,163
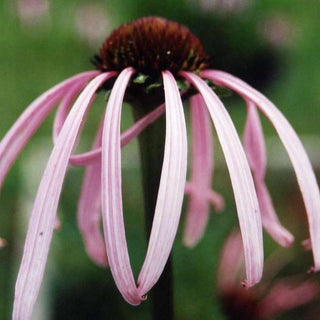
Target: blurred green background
274,45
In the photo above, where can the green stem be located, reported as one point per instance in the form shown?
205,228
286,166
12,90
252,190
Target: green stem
151,143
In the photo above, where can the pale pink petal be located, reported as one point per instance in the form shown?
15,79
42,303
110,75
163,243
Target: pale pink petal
213,197
286,295
86,158
64,107
113,224
90,157
171,188
306,244
141,124
256,153
201,173
216,200
32,11
254,142
230,262
57,223
270,220
300,161
188,188
89,209
22,130
3,243
241,179
45,207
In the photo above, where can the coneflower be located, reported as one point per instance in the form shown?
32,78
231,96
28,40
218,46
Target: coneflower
153,64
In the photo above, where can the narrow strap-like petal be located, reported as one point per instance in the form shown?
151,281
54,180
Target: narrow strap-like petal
89,157
171,188
57,223
112,212
64,108
241,179
256,153
254,141
88,214
216,200
42,219
270,220
3,243
89,209
286,295
213,197
297,154
201,172
231,260
306,244
140,125
22,130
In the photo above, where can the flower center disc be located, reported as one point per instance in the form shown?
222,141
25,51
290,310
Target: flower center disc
150,45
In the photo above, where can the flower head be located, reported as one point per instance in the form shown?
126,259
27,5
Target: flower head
153,60
151,45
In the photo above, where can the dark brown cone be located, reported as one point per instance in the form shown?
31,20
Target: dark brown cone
150,45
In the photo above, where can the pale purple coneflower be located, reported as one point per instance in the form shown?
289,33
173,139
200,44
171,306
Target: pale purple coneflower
32,11
278,30
223,6
271,297
149,58
91,22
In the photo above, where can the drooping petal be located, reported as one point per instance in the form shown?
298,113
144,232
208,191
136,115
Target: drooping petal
171,188
57,223
297,154
254,142
113,224
45,207
22,130
140,125
216,200
88,214
230,262
201,173
269,218
89,157
306,244
256,154
286,295
241,179
63,109
89,209
212,196
3,242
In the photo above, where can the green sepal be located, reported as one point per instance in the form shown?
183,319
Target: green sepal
182,84
152,86
140,78
221,92
107,95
